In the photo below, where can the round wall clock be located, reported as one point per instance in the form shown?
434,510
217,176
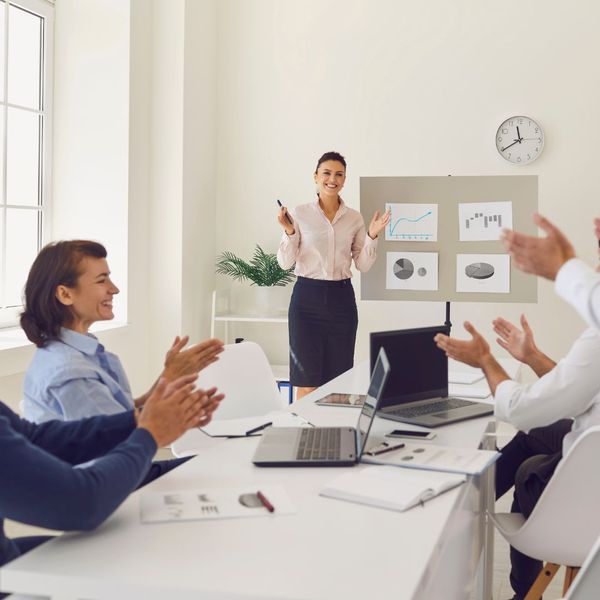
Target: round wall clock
520,140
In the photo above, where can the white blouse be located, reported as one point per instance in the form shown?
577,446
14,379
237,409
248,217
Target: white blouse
323,249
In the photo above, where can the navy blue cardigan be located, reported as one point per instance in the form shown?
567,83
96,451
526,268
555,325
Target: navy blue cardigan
40,484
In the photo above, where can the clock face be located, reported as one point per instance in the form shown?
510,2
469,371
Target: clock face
519,140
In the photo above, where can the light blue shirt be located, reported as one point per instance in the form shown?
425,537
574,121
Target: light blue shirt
72,378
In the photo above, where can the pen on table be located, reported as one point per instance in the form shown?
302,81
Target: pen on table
259,428
305,420
265,502
289,220
387,448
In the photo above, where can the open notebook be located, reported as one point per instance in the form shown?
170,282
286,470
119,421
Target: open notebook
390,487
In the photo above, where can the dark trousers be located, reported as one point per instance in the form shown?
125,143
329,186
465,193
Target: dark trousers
528,462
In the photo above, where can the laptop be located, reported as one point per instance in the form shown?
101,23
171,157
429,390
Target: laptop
417,390
324,446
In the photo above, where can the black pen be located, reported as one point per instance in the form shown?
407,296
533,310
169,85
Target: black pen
259,428
388,448
286,213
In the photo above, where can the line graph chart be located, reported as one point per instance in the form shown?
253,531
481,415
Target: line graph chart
412,222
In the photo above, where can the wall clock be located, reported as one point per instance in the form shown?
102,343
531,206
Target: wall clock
519,140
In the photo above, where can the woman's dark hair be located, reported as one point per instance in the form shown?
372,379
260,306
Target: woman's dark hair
331,156
57,264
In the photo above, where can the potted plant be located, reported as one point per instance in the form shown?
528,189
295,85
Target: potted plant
262,270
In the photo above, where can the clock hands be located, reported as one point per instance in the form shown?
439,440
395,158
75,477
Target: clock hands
517,141
507,147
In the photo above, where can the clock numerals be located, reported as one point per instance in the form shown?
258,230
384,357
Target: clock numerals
523,136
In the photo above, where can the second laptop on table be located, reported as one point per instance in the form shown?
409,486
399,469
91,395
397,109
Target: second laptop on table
417,391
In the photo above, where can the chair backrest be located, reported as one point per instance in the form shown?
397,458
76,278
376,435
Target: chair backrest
587,582
565,523
244,375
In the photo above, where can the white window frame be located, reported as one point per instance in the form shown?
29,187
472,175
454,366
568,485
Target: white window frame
9,316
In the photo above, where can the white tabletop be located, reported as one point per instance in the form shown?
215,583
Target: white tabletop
329,549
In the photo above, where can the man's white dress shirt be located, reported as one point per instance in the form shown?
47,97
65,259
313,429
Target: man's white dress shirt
571,389
579,285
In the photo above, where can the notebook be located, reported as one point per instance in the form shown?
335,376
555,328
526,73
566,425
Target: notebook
390,487
324,446
417,391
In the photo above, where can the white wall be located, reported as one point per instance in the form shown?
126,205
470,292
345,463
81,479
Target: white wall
179,122
406,88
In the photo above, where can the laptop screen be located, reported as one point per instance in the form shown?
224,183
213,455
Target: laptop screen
379,377
419,367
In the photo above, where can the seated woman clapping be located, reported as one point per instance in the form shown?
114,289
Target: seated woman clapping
71,375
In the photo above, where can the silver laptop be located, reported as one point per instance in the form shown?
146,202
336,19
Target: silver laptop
324,446
417,390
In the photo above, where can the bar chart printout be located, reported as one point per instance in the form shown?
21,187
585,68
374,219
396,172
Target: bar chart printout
412,222
483,221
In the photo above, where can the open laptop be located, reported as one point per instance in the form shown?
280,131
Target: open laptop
324,446
417,390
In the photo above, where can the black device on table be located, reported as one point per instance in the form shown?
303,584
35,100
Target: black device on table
417,390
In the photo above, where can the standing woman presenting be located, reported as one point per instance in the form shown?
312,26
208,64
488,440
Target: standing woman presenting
323,238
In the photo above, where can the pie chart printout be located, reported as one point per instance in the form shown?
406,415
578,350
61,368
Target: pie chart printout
404,268
487,273
479,270
412,271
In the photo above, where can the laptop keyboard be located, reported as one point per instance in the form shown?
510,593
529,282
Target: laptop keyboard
320,443
428,409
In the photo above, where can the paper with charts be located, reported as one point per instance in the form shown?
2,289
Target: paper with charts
483,221
488,273
412,222
217,503
411,271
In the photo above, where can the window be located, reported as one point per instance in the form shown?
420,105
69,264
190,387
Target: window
25,124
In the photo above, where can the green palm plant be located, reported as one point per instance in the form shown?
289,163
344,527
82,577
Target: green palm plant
263,269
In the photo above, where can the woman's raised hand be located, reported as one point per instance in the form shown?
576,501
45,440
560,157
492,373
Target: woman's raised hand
378,223
180,362
282,217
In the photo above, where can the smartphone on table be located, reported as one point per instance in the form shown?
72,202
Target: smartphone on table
411,433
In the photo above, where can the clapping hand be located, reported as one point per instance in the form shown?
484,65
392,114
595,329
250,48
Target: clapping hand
180,362
519,343
378,223
471,352
540,256
173,408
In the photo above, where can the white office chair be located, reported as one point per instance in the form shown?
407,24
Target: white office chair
565,523
244,375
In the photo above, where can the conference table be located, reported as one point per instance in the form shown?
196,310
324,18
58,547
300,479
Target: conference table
328,549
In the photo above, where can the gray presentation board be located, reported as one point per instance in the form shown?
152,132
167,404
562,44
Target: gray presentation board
448,192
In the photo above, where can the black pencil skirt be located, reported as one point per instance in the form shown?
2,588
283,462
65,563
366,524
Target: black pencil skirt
322,323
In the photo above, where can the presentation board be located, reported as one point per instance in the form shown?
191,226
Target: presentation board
442,240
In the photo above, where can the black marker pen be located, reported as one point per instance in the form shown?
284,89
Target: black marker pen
286,213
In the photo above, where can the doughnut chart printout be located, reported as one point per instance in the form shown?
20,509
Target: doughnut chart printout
412,271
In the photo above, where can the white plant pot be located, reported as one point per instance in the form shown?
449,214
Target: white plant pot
270,301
